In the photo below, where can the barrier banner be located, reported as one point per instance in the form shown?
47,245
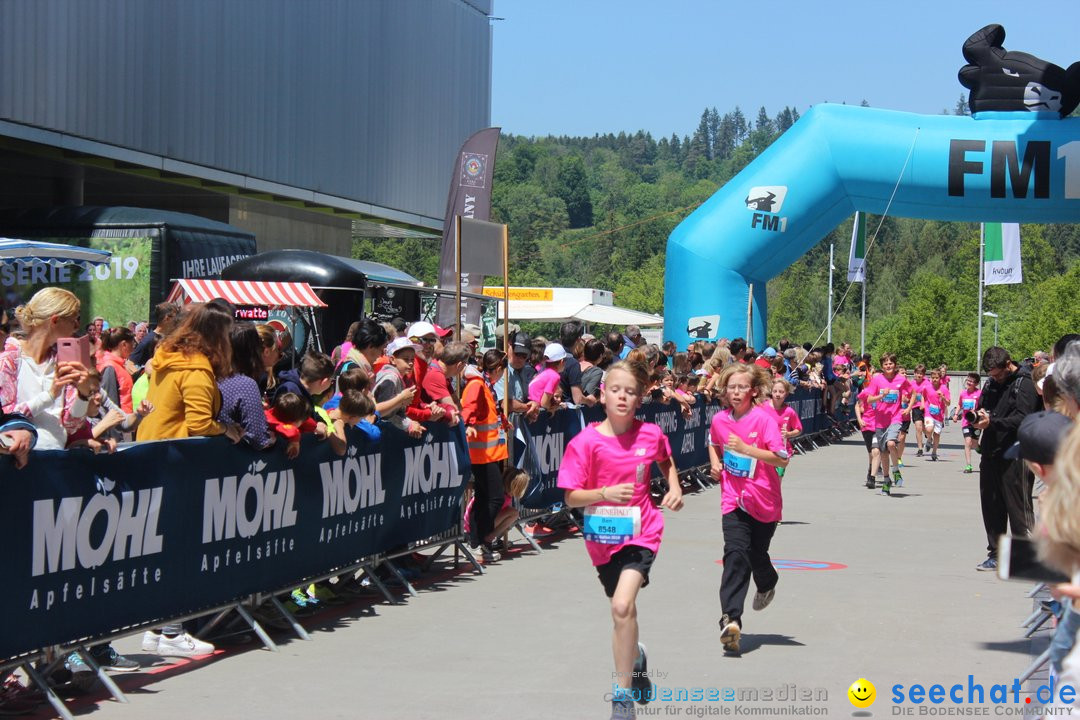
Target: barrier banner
539,450
163,529
807,403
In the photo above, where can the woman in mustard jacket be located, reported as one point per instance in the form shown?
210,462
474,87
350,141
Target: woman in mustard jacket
183,384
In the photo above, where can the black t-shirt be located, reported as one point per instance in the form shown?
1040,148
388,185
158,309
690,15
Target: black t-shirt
570,377
144,351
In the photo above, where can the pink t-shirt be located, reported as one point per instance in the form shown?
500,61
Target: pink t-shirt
545,382
889,411
753,486
918,393
935,400
869,415
786,419
594,460
968,401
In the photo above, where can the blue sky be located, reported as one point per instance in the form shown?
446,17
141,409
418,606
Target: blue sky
580,67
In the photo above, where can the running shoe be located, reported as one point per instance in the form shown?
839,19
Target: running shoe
886,488
107,657
622,709
762,599
869,481
933,457
968,468
897,479
919,453
538,530
640,679
987,564
900,462
729,634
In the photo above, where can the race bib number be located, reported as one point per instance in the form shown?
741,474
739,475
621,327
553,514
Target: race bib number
903,406
968,403
739,465
612,524
918,397
891,397
933,409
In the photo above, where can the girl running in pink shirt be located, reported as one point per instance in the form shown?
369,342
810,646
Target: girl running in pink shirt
786,417
969,400
745,449
606,470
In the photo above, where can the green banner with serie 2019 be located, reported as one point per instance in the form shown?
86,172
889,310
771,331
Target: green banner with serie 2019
118,291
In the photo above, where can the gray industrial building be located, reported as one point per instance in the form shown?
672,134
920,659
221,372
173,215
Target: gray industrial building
297,120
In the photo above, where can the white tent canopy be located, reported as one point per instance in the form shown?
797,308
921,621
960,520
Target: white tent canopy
558,304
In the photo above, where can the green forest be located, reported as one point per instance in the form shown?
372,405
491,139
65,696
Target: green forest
597,211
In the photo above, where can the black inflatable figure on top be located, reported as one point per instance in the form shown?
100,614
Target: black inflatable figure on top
1011,80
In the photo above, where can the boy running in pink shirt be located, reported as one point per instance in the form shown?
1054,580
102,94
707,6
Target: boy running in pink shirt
864,414
745,450
918,391
889,390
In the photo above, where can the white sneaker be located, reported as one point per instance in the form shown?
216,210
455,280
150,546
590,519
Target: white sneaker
150,641
762,599
183,645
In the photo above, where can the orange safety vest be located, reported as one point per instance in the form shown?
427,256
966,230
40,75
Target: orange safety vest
479,411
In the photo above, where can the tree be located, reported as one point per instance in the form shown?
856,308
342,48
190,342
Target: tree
573,189
642,288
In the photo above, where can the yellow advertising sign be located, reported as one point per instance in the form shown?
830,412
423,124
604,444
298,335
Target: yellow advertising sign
521,293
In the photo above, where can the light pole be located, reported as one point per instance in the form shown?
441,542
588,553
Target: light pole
995,316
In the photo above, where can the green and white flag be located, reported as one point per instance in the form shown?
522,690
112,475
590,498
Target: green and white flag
1001,254
856,263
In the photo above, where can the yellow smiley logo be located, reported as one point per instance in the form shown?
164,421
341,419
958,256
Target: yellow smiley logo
862,693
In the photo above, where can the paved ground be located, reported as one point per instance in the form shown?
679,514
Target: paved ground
531,638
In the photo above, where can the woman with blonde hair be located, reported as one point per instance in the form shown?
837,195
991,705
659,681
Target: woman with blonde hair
52,394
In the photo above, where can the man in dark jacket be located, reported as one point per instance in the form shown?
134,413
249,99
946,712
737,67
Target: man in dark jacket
1005,485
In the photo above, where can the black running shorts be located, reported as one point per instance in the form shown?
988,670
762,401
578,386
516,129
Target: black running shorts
631,557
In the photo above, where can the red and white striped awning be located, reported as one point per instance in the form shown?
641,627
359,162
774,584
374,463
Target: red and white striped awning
246,292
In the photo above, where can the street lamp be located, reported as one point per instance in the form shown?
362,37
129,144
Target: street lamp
995,316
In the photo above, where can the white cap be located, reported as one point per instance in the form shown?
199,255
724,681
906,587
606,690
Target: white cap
554,352
400,344
420,329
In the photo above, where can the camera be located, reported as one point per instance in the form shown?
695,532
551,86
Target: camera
971,417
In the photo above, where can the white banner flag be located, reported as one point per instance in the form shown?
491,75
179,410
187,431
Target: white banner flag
1001,254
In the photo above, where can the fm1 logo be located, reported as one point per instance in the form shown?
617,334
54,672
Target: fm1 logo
765,201
1032,172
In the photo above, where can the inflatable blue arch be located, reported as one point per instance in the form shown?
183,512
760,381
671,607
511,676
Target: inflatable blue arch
999,164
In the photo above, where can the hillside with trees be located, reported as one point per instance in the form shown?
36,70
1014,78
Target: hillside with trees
597,211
